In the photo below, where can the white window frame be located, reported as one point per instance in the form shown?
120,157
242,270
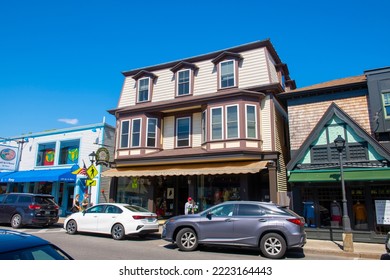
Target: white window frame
385,93
155,132
189,82
139,89
177,131
139,133
204,126
234,73
211,122
238,121
121,135
246,121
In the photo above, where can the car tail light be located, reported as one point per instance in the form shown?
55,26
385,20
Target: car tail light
297,221
139,217
34,207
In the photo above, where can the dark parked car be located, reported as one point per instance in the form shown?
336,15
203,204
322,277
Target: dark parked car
16,245
20,209
387,244
267,226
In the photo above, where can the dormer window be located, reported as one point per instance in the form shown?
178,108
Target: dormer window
227,69
183,82
227,76
145,82
184,77
386,103
143,89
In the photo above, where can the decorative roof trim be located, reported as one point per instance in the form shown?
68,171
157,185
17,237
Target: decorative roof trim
183,64
143,73
225,55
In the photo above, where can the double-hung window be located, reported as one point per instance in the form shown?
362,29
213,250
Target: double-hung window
136,133
124,139
227,76
386,104
143,89
183,126
216,123
231,121
251,121
152,128
183,82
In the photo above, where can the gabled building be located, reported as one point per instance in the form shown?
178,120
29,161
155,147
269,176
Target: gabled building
208,127
46,162
354,109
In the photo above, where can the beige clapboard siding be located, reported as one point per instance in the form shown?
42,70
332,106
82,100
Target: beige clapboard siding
164,86
127,97
272,69
169,133
205,81
196,130
253,70
265,123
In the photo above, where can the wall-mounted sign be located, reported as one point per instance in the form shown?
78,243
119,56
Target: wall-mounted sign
8,157
102,156
382,209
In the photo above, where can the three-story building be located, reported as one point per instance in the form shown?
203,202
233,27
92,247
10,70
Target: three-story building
208,127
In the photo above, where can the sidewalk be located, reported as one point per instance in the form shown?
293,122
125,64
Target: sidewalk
361,250
315,246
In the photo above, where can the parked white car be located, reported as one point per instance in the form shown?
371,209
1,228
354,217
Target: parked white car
117,219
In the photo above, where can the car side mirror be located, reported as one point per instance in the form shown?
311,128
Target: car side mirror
209,215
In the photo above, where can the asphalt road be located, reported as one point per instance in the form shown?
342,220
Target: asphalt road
101,247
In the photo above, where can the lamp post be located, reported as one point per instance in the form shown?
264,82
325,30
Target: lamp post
92,158
339,142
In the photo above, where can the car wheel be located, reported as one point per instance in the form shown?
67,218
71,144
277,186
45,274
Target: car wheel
273,246
71,227
187,240
16,221
118,232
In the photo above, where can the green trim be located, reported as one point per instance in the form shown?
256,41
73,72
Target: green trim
333,175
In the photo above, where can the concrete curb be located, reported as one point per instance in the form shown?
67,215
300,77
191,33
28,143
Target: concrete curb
360,255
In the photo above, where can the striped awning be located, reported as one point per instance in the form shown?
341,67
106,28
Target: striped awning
239,167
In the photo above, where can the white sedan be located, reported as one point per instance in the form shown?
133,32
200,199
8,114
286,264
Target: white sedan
117,219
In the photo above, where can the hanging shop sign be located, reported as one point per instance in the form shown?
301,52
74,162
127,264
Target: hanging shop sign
102,156
8,157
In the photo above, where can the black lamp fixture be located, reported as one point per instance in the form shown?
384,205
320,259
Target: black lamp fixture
92,157
339,142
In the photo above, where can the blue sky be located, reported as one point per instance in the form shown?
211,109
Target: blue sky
61,62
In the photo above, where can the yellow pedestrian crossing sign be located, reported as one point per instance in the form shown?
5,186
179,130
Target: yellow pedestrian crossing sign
92,171
91,183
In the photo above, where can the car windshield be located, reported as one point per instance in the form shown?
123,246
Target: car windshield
136,208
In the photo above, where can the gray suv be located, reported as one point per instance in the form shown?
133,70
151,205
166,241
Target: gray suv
267,226
20,209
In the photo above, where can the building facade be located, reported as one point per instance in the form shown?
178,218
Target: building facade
208,127
47,162
354,108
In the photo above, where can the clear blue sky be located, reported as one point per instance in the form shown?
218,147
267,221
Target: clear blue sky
61,62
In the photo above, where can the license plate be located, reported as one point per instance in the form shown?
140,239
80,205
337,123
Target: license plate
150,220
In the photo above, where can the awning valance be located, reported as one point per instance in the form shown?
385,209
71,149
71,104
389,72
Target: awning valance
48,175
355,174
240,167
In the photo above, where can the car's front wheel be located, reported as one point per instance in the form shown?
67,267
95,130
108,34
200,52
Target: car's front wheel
118,232
187,240
16,221
273,246
71,227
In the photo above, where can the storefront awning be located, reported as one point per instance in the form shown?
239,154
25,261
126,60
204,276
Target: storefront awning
188,169
52,175
355,174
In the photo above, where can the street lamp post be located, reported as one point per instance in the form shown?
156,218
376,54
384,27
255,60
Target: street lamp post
347,231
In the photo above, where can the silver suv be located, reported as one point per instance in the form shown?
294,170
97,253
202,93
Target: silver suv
20,209
267,226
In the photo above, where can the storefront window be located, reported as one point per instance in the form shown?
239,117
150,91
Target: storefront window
133,190
46,154
69,152
218,189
